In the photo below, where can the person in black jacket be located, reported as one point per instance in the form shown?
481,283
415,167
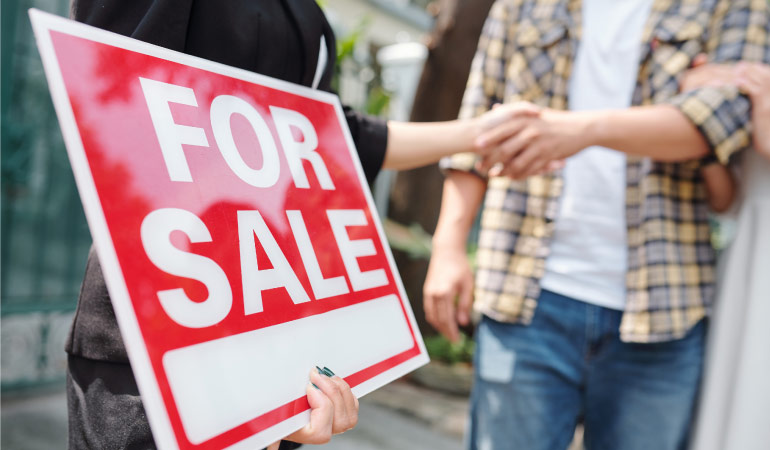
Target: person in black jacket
284,39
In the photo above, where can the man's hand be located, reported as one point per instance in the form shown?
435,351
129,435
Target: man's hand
449,278
703,74
449,274
527,146
754,80
500,115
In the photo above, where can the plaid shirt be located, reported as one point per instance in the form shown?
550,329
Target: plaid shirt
526,52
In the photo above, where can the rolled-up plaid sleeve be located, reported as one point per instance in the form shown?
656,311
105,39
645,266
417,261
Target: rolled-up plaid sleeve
486,82
739,31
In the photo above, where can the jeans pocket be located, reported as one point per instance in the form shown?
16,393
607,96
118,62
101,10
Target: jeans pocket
496,361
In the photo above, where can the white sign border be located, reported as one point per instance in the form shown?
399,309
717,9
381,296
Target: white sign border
43,23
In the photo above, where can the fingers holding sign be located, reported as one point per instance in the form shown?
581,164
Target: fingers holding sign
338,391
333,409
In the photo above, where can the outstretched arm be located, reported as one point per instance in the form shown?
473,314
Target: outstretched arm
417,144
412,144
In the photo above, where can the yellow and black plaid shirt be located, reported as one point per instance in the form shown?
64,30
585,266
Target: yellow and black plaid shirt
526,52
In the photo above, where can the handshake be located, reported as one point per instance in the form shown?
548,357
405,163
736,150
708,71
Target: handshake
519,140
514,140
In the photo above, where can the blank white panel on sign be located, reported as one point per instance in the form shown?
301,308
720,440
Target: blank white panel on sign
219,385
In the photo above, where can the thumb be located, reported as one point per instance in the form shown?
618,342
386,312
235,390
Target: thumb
319,430
528,108
321,415
500,114
318,400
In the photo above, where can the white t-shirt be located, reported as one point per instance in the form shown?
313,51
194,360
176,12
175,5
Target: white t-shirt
588,258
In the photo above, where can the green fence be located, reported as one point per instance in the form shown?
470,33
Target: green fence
44,235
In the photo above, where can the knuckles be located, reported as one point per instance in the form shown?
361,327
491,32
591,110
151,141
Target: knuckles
535,133
334,389
323,437
435,293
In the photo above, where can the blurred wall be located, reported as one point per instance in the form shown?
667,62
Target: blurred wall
44,235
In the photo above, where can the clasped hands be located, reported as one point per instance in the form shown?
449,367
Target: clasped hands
519,140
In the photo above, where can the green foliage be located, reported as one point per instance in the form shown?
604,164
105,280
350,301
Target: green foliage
345,47
441,349
412,240
347,44
717,233
473,248
378,98
378,101
416,242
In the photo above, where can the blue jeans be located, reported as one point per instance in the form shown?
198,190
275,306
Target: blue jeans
534,383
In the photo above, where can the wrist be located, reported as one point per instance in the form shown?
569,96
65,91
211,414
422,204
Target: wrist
593,128
576,129
446,242
444,252
469,131
760,106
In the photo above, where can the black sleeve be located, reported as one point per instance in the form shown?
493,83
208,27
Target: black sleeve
370,134
159,22
165,23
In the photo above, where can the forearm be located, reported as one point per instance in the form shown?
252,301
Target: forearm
460,202
660,132
412,144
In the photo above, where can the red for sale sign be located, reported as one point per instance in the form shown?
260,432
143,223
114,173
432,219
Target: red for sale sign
236,234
